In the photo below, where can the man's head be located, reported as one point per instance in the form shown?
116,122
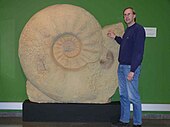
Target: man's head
129,16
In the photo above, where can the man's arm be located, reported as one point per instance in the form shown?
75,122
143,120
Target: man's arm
138,52
138,49
112,35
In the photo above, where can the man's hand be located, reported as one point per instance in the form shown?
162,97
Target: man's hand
130,76
111,34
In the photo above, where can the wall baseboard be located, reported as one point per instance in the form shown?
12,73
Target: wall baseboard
145,107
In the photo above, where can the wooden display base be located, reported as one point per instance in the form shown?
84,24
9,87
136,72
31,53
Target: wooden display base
70,112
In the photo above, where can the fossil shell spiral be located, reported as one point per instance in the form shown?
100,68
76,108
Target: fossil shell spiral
60,49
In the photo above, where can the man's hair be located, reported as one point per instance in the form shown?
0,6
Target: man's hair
132,11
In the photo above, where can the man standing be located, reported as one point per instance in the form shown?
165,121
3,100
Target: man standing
130,59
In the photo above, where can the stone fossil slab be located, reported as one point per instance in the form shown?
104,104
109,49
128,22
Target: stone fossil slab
67,57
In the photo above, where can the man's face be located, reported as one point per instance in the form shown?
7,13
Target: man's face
129,16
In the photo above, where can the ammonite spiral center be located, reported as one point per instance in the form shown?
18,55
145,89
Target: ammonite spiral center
70,48
67,45
66,49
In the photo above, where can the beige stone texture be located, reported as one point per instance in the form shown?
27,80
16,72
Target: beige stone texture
67,57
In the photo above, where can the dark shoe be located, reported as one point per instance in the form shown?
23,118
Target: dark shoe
137,125
120,124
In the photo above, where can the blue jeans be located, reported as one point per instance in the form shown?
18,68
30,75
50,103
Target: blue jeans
129,93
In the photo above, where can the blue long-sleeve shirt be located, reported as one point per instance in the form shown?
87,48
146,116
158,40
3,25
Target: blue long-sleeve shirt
132,46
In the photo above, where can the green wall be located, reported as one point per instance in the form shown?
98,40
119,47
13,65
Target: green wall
154,80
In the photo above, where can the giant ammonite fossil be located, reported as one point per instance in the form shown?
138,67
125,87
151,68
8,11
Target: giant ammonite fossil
67,57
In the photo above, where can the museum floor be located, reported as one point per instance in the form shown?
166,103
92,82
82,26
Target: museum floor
17,122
